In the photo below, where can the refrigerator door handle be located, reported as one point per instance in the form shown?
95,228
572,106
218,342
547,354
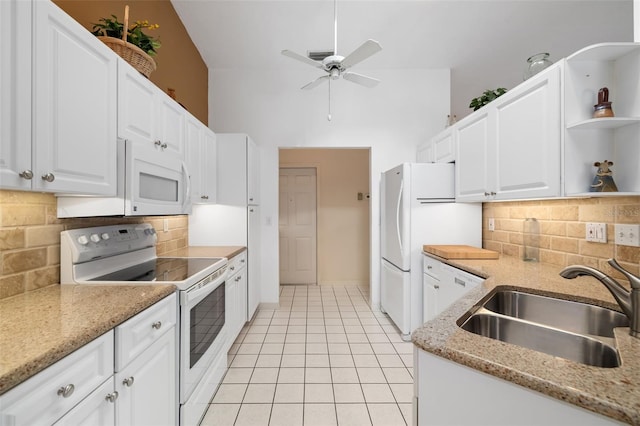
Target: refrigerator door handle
398,217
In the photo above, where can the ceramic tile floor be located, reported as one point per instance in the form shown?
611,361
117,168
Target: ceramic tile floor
324,358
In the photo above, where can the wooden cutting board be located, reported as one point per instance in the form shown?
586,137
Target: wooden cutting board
460,252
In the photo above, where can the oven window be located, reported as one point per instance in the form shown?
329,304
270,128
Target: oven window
158,188
207,320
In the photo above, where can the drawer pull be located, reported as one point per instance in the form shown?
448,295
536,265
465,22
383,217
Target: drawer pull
231,268
436,286
26,174
238,278
128,381
429,267
48,177
66,391
241,260
157,325
111,397
460,282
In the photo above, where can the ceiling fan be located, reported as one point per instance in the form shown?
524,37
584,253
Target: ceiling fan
335,65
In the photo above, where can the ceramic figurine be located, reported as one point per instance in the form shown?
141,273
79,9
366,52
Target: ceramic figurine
603,181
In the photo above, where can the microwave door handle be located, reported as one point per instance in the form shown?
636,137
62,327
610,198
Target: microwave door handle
187,195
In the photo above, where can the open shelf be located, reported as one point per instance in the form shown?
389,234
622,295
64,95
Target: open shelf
604,123
604,52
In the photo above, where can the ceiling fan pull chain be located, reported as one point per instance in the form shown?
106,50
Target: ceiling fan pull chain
329,115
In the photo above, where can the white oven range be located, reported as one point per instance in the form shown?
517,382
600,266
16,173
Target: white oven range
126,255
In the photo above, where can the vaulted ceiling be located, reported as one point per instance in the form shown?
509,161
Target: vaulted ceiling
485,43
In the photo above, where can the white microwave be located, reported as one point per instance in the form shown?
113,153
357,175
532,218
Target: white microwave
151,182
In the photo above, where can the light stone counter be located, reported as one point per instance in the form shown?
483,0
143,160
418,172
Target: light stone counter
613,392
40,327
208,251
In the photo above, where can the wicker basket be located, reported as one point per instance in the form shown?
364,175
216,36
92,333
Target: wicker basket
131,53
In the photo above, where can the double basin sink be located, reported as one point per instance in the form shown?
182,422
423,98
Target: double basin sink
572,330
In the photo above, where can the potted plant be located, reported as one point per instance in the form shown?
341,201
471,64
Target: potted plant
132,44
487,96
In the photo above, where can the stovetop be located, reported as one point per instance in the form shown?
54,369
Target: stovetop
161,269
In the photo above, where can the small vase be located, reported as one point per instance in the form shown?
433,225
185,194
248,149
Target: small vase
535,64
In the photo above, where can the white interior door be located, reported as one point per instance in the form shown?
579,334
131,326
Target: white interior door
298,226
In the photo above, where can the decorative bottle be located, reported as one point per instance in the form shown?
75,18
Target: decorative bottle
535,64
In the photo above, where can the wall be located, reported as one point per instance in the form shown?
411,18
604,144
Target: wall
562,230
342,220
408,106
179,64
30,239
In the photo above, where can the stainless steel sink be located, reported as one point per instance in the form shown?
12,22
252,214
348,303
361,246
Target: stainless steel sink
572,330
564,314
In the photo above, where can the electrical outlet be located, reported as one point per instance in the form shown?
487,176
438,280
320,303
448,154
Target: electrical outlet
627,235
596,232
492,224
165,225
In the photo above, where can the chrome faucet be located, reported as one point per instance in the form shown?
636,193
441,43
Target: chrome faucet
629,301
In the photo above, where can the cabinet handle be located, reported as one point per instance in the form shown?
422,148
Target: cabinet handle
158,143
231,268
436,286
492,193
157,325
205,197
241,260
429,267
26,174
251,210
164,146
66,391
238,278
250,199
49,177
111,397
486,194
128,381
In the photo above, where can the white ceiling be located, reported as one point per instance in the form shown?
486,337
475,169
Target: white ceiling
485,43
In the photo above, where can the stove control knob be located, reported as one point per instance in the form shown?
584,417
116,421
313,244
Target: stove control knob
105,236
83,240
95,238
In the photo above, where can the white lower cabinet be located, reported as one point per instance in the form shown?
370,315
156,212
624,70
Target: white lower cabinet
82,389
147,387
236,297
442,385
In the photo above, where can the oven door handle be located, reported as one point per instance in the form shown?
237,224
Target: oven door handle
196,293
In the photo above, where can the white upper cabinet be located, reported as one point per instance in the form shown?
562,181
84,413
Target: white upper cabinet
15,94
440,149
147,115
615,66
238,170
511,148
72,86
201,161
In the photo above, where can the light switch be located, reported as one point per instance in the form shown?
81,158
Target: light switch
627,235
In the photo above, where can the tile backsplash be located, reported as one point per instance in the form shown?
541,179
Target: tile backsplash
30,238
562,230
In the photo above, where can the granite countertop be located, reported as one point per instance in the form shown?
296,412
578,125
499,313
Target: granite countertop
208,251
613,392
42,326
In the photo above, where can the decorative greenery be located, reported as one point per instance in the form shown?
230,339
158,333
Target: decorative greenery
487,96
110,27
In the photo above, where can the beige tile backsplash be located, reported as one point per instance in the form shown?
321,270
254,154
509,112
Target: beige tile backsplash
562,230
30,238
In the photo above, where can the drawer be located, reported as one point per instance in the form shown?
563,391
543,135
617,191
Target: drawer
237,262
41,400
138,333
431,266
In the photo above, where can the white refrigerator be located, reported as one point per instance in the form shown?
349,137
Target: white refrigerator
418,207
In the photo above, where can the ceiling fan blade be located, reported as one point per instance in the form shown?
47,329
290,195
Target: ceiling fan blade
361,79
365,50
315,82
301,58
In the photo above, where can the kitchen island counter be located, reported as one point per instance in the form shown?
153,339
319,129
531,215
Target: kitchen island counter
612,392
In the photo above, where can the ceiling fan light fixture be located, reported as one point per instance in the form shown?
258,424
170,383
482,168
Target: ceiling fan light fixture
319,55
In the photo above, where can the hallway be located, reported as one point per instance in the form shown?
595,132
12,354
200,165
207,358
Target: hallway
324,358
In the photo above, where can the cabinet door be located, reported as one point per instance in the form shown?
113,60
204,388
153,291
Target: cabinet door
15,94
171,124
147,387
444,149
241,306
424,153
232,169
208,165
253,173
253,247
98,409
528,138
194,150
473,165
430,295
75,82
137,108
230,311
